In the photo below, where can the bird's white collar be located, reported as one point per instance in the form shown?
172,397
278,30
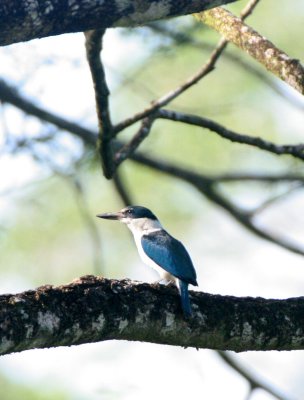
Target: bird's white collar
142,226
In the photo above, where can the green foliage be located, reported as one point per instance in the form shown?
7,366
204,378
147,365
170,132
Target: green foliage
13,391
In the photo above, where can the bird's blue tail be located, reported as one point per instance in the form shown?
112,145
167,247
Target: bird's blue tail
185,301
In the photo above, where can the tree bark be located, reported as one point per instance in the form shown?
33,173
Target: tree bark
257,46
22,20
93,309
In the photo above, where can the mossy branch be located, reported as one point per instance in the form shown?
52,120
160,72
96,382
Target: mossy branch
265,52
93,309
22,20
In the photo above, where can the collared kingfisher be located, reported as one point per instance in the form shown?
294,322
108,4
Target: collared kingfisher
159,250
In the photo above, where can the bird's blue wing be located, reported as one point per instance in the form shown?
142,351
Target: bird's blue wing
170,254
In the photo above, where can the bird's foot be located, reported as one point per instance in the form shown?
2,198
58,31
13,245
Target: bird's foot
163,282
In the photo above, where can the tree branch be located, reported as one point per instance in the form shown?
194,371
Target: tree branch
180,38
295,150
93,309
236,31
22,20
205,70
128,149
173,94
255,382
93,50
121,189
183,38
267,178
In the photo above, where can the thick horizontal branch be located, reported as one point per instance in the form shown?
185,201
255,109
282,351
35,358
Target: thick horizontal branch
22,20
93,309
266,53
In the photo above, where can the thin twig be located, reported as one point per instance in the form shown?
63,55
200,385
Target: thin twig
9,94
249,394
71,177
90,223
128,149
239,177
253,381
248,9
167,98
269,202
121,189
296,151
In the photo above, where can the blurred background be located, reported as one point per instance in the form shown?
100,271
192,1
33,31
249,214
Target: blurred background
51,188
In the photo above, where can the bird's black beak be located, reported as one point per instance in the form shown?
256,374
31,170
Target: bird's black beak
114,216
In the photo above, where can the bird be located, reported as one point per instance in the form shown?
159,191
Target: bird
159,250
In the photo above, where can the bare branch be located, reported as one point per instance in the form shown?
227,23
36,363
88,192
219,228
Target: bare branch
295,150
236,31
90,224
258,177
181,38
269,202
248,9
254,381
93,49
121,189
128,149
93,309
205,70
167,98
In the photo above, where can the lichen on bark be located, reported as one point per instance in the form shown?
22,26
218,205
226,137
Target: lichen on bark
22,20
93,309
253,43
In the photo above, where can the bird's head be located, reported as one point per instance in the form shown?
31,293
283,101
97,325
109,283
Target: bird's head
129,214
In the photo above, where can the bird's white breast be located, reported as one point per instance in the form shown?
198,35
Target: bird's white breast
144,226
